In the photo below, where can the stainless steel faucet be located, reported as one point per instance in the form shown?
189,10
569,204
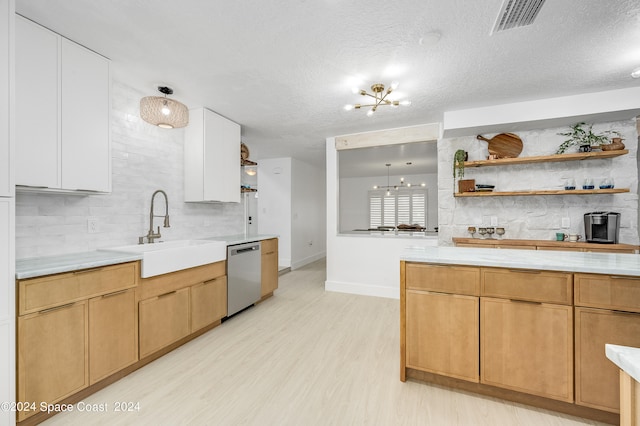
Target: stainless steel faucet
151,236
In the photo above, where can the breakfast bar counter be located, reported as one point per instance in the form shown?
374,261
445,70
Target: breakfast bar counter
523,325
587,262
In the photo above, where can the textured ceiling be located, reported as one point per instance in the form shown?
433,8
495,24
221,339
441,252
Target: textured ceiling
284,69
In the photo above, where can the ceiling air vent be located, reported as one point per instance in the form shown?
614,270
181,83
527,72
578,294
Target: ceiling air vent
517,13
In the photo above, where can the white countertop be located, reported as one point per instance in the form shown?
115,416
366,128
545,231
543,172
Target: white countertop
597,263
40,266
48,265
429,235
626,358
241,238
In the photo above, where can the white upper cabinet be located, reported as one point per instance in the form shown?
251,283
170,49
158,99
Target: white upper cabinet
6,15
62,113
84,117
212,158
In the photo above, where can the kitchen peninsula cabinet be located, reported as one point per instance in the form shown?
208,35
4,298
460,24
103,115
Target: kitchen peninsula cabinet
74,329
442,307
269,266
542,324
211,158
607,311
66,87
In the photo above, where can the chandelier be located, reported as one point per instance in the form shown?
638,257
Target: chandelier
389,187
162,111
380,98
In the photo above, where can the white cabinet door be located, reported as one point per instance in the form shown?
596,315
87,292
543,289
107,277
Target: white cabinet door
36,90
62,112
84,111
212,158
6,63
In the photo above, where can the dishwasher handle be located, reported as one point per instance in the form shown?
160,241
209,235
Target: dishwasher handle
237,251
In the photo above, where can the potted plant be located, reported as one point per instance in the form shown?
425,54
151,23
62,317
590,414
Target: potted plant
458,163
464,185
584,137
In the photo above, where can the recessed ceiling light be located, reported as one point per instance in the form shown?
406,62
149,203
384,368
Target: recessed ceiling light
429,39
636,73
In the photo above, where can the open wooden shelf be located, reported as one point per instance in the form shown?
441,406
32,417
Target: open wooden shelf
542,192
247,162
579,156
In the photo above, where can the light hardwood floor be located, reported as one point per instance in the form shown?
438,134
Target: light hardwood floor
302,357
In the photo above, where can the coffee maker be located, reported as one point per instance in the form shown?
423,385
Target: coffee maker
602,227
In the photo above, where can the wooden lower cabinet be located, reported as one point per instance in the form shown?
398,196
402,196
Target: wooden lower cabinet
208,302
269,268
53,360
597,378
163,320
442,334
527,347
113,333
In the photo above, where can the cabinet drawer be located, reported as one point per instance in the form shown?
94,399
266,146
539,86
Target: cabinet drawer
607,291
161,284
443,278
37,294
535,286
269,246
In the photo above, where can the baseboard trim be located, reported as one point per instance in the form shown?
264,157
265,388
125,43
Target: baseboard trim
307,260
362,289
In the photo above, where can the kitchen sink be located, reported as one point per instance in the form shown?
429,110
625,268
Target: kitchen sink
169,256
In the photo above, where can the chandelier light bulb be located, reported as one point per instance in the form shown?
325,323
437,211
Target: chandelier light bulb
636,73
348,107
394,85
370,112
405,102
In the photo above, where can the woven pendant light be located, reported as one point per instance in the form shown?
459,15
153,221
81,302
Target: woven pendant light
164,112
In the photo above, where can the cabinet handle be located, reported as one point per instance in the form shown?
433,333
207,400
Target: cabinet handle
210,281
104,296
620,277
530,302
168,294
270,252
56,308
86,271
525,271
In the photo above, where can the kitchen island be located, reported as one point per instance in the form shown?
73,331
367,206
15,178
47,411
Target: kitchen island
526,326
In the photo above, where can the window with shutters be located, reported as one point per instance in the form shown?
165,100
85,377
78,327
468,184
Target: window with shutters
400,207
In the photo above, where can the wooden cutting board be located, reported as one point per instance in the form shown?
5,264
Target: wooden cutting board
504,145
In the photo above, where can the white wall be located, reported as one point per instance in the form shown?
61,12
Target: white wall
144,158
354,201
291,205
308,214
274,204
361,265
538,217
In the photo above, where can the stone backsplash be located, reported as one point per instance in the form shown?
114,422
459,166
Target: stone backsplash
538,217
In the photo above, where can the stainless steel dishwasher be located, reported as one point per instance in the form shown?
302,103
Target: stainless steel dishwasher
243,276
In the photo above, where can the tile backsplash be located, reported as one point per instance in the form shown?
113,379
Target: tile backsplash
144,158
